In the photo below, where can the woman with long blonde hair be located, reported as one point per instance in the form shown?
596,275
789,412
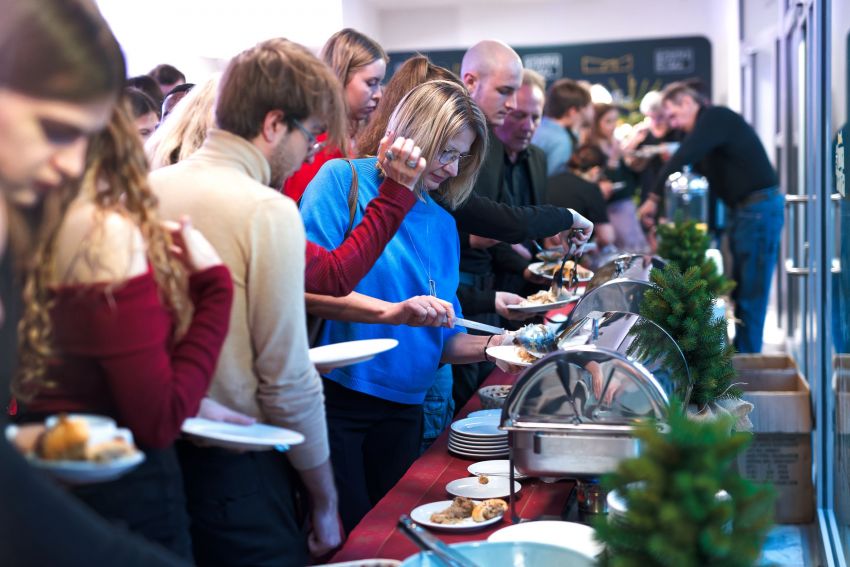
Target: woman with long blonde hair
360,64
374,409
125,318
184,130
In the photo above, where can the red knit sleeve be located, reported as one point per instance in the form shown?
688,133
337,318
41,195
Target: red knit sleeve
154,387
337,272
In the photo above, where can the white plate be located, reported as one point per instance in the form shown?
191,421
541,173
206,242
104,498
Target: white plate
498,487
478,454
351,352
257,437
536,268
500,444
422,516
87,472
507,353
480,448
488,413
543,307
478,427
499,467
569,535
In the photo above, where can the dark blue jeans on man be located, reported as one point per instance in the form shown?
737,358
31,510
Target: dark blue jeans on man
755,230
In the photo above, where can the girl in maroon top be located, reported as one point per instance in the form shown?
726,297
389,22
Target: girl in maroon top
360,63
125,318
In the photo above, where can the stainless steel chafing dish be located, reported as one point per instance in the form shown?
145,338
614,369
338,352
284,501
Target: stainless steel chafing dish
573,413
629,266
617,286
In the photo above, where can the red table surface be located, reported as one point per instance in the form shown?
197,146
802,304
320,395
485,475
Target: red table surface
376,535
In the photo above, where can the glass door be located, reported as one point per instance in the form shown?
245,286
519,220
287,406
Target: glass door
835,216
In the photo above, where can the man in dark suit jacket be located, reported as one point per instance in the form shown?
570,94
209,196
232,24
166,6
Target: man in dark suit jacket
523,175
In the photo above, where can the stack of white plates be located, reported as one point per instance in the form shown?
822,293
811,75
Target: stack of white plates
478,437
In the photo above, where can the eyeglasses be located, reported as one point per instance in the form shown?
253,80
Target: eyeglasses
450,156
313,144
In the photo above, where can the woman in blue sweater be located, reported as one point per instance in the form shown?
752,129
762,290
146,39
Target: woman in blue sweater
374,409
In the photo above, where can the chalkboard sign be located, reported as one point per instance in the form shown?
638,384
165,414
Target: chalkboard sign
628,69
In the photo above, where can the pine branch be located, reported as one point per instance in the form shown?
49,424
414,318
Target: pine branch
674,515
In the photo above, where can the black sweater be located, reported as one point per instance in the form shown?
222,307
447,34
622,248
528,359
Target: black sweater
724,148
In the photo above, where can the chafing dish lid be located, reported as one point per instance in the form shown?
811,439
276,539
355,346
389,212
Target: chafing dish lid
592,380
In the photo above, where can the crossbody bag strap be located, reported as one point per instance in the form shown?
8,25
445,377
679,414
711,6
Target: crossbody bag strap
352,198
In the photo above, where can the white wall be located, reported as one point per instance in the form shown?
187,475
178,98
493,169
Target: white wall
542,22
199,36
761,29
840,20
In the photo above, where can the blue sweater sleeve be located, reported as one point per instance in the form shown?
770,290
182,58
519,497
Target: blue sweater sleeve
324,206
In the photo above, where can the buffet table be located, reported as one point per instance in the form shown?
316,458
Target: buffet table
376,535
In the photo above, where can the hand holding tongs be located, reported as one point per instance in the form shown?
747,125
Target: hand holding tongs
558,276
428,542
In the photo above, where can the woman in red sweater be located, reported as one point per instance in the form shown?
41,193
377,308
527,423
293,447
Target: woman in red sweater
360,63
126,320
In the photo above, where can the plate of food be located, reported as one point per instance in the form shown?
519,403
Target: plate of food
512,354
482,487
460,515
77,448
543,301
350,352
551,254
547,270
497,467
256,437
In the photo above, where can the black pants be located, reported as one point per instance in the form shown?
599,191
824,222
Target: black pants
373,443
242,507
149,501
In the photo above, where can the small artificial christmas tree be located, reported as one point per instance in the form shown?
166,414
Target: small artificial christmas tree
681,304
685,244
674,517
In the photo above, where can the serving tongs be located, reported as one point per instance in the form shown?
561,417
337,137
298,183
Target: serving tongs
427,542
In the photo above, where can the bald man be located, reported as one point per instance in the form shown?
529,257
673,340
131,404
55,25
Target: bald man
492,73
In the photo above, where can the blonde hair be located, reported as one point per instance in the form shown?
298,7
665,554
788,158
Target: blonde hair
532,78
183,132
433,113
116,167
347,51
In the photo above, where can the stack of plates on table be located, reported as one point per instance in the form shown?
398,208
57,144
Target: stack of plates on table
478,437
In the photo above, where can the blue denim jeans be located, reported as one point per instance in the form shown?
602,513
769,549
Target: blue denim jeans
438,408
754,234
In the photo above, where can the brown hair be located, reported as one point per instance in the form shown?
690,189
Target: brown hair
348,50
600,109
116,165
278,74
58,49
563,95
167,74
433,113
675,91
415,71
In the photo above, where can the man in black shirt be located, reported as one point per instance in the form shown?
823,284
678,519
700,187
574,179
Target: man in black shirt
724,148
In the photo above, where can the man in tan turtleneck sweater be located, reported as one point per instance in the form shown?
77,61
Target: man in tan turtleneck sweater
273,99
